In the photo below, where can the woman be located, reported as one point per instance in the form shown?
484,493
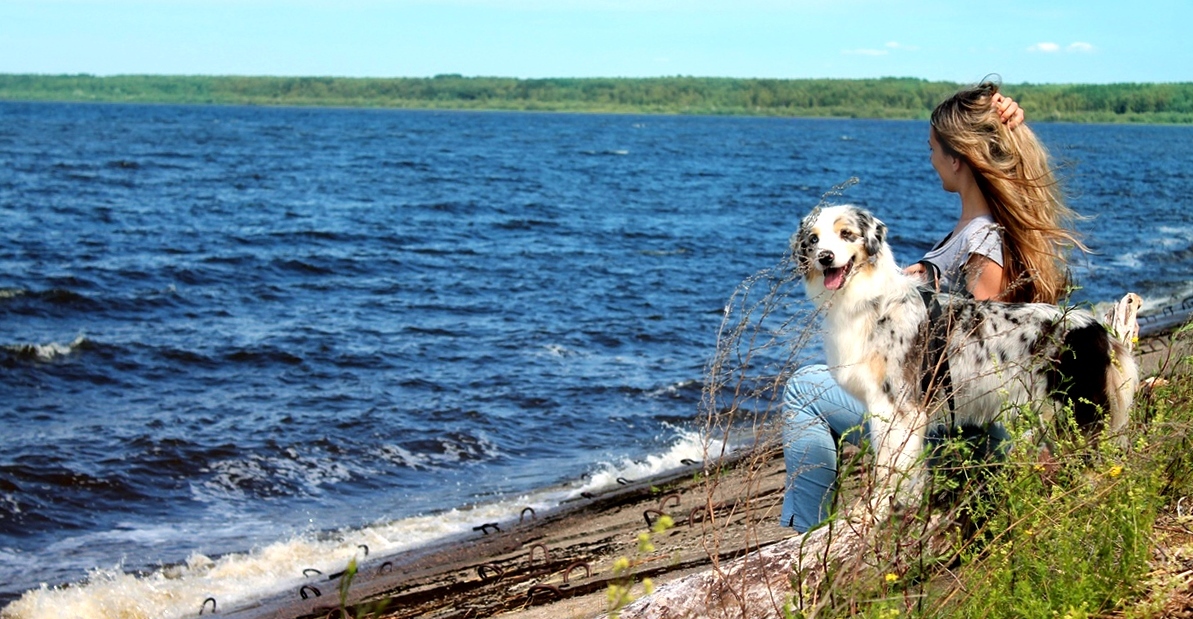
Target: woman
1008,244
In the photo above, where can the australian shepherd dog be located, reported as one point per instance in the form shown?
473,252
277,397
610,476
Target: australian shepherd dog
916,358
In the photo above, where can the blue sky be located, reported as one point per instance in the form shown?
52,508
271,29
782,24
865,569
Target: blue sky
1039,41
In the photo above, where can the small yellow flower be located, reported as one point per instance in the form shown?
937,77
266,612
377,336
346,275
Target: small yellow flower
621,565
1115,471
644,544
891,577
648,585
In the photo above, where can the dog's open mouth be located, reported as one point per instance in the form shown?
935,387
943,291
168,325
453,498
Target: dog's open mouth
834,277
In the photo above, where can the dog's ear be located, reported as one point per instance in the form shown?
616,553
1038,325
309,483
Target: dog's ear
801,242
875,237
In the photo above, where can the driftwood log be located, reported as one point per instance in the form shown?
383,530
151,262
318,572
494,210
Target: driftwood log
796,573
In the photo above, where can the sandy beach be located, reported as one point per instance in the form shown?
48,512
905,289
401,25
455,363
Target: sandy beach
560,565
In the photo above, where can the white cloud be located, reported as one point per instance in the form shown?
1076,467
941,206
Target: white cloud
1080,46
887,48
864,52
1044,47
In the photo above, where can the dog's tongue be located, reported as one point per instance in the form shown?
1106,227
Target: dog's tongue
834,278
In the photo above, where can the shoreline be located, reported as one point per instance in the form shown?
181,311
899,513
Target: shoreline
559,563
584,540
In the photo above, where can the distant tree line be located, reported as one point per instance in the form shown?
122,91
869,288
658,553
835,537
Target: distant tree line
865,98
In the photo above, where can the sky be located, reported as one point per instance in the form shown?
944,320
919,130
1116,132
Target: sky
963,41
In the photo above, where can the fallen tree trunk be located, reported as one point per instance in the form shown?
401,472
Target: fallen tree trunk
804,573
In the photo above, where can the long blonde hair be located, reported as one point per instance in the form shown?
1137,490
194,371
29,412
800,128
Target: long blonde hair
1014,172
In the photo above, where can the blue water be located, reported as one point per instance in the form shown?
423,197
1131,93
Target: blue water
223,326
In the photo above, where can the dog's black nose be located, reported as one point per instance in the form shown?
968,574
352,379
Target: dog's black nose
825,258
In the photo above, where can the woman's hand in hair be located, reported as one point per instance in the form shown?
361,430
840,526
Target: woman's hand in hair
1009,112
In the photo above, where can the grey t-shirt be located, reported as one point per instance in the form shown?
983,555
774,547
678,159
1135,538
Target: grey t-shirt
979,237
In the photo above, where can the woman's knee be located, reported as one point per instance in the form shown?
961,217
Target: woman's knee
806,385
813,393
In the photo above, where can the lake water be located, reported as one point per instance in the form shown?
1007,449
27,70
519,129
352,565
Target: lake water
238,340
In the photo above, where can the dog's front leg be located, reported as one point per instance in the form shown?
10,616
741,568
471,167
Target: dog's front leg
898,438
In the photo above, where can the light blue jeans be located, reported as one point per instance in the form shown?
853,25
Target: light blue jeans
817,413
815,409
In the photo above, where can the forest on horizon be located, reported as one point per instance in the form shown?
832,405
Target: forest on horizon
906,98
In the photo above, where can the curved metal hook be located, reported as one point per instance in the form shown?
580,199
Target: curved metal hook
388,564
204,606
663,501
303,591
533,516
623,481
489,567
692,514
365,546
306,572
484,528
646,515
568,572
540,588
546,554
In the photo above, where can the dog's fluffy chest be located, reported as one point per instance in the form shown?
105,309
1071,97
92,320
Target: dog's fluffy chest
864,343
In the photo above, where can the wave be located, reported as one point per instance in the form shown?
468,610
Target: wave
688,448
287,474
45,352
249,579
429,454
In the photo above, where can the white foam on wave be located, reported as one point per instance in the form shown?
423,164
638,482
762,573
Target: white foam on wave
688,447
673,389
1166,239
177,591
241,580
1174,236
46,352
558,351
273,475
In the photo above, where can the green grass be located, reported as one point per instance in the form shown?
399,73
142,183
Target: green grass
1089,530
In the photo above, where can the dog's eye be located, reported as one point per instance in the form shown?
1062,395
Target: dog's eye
814,238
848,236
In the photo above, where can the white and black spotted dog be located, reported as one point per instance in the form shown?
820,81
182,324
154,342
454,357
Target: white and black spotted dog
916,358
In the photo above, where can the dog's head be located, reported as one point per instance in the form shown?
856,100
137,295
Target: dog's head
836,241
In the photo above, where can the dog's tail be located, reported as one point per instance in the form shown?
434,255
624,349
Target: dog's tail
1122,381
1122,375
1100,398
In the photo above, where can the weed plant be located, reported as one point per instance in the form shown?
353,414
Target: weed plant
1056,527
